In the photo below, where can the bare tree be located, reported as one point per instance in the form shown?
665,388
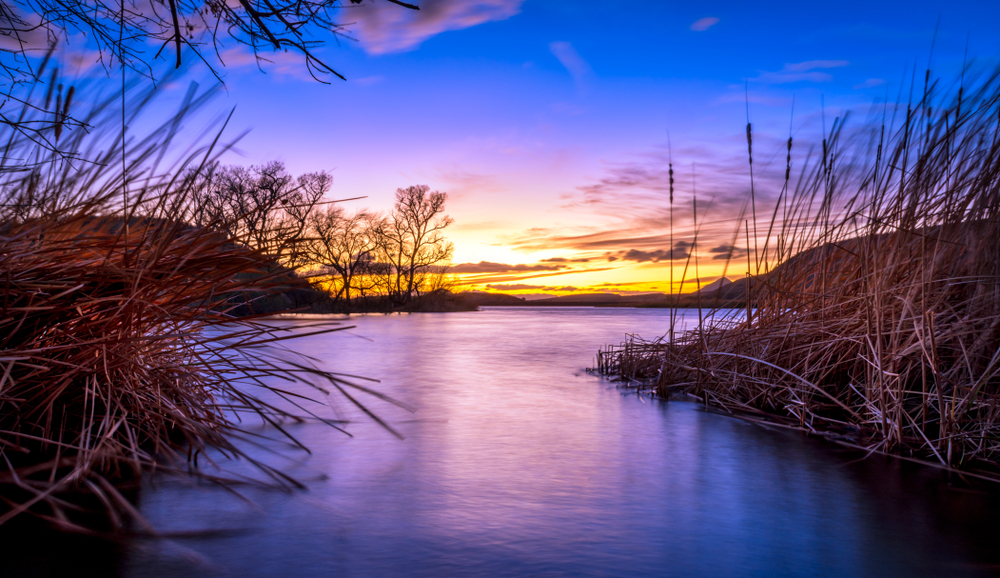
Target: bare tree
345,245
263,206
411,239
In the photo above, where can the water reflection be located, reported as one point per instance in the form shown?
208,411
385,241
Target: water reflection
518,463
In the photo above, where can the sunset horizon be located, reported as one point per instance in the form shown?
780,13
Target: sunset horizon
555,148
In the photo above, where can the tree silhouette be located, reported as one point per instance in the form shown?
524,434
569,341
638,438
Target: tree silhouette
344,245
411,238
262,207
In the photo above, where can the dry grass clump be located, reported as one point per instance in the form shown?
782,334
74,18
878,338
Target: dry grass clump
118,350
881,320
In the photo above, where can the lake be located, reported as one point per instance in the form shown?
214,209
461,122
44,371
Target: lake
517,462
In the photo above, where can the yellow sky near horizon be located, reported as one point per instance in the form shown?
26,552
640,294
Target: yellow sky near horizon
503,269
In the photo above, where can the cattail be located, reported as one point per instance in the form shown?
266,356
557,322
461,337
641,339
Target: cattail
68,101
788,161
671,183
60,114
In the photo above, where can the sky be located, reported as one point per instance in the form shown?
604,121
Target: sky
551,123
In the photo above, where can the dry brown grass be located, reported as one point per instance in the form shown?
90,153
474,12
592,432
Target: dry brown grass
118,350
882,321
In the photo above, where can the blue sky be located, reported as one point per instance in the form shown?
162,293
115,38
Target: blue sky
546,121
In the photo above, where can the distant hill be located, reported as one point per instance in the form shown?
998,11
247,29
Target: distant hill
727,291
714,286
599,299
580,298
731,295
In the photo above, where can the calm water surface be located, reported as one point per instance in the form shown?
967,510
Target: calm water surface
516,462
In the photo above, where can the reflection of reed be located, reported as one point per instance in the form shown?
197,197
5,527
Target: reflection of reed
118,349
881,324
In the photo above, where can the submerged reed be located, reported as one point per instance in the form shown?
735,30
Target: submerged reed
119,352
877,303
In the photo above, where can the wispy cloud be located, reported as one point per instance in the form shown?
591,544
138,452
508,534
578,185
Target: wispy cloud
603,240
632,197
383,27
808,71
278,64
703,24
636,192
502,277
488,267
526,287
565,260
813,64
738,94
636,226
369,80
870,83
883,32
32,38
613,284
727,252
479,226
577,67
463,182
681,250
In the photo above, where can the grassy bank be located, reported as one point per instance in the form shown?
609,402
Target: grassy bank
877,295
121,350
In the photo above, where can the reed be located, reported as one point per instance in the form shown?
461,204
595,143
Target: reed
877,309
119,349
